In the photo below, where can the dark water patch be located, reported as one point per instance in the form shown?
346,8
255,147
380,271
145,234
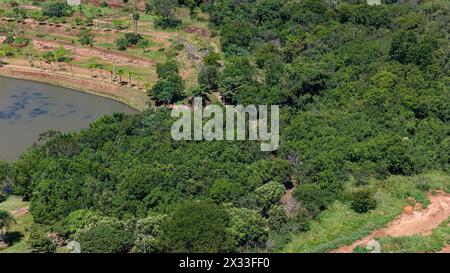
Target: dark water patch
28,109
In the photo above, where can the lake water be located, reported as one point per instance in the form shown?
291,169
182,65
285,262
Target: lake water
28,109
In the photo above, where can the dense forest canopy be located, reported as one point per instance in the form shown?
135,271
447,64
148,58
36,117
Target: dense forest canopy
363,92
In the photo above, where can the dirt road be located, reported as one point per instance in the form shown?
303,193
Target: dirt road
420,221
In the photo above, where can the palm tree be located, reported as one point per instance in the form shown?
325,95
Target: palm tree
69,60
91,68
100,67
19,14
138,80
120,73
112,72
136,17
131,74
49,58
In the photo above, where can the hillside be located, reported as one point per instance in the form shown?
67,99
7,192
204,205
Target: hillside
364,134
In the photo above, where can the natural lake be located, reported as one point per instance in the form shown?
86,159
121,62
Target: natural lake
28,109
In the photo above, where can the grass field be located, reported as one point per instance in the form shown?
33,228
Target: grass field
20,230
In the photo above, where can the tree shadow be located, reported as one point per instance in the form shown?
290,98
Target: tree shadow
13,237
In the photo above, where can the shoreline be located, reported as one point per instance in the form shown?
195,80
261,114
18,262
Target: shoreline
138,101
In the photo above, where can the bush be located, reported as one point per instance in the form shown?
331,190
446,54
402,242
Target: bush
86,37
270,193
40,241
166,69
423,186
128,40
362,201
312,198
133,38
78,220
167,22
208,77
56,9
277,217
301,221
121,43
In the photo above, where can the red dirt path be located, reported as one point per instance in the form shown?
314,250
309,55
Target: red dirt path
419,222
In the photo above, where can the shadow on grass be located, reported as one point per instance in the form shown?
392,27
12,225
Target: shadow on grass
13,237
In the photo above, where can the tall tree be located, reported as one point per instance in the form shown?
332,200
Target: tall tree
6,221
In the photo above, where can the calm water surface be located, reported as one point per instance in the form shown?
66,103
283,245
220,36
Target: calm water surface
28,109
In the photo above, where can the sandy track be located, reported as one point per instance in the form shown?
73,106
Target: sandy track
419,222
19,212
445,249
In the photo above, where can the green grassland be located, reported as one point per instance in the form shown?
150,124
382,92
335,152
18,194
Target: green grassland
20,230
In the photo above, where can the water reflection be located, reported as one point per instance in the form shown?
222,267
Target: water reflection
28,109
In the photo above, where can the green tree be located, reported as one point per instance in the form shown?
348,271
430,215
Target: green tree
86,37
49,58
197,227
107,237
56,9
135,17
224,190
209,77
6,220
148,234
247,227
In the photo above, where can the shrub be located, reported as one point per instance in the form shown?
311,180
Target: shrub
363,201
212,58
208,77
133,38
423,186
301,221
40,241
270,193
121,43
166,69
129,39
277,217
56,9
167,22
86,37
312,198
